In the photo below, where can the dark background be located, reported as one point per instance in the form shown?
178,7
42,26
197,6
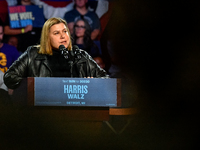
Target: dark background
158,46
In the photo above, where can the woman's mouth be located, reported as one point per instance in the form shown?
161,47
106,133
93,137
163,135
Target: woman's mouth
63,42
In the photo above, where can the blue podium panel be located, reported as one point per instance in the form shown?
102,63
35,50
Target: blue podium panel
75,92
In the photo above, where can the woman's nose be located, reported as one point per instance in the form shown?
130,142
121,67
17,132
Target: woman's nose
62,35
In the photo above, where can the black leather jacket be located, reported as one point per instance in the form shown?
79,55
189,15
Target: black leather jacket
32,64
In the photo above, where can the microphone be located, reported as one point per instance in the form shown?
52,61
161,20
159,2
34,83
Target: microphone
64,51
62,48
75,47
77,52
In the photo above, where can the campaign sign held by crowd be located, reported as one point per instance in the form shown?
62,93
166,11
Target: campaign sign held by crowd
75,92
21,16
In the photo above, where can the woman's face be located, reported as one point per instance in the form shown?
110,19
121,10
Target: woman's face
80,28
59,36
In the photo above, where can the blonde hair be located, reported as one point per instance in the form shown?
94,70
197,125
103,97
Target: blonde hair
45,45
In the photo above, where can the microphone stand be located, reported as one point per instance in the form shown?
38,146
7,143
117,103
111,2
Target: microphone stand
71,57
71,68
67,55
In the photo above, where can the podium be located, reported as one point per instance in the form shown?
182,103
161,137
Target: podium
73,99
92,102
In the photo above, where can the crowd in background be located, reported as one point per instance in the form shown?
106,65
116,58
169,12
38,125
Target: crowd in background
92,15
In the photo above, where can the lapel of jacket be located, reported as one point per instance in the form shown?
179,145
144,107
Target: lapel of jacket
80,64
43,59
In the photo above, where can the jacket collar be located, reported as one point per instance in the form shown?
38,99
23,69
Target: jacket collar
41,57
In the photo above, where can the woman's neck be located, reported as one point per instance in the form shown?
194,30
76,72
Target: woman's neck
79,40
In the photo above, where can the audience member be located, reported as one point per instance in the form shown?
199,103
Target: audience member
99,61
5,97
8,53
14,41
82,38
59,8
29,34
81,9
102,7
12,2
51,11
3,10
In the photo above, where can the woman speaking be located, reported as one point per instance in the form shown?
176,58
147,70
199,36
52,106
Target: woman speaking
54,57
